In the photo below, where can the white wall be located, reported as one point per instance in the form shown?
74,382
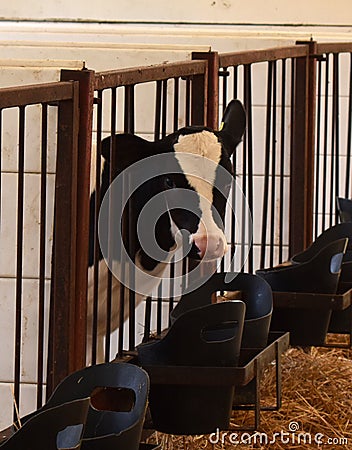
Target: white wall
183,11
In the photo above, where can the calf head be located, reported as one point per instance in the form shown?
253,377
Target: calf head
188,194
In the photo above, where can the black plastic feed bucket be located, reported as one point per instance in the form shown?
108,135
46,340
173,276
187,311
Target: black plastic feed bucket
320,274
51,428
328,236
344,207
119,394
341,321
251,289
208,336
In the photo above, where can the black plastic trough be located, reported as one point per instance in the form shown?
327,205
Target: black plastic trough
340,321
208,336
307,315
344,206
315,271
49,428
251,289
252,364
174,408
118,394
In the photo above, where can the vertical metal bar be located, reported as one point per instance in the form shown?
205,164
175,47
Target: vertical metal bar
317,151
19,256
267,163
97,203
273,169
164,109
235,82
122,290
336,134
171,287
129,109
131,274
176,102
86,98
63,317
249,137
282,158
129,128
349,136
326,127
302,151
311,129
157,110
147,318
244,190
212,87
233,196
198,95
188,103
109,292
332,146
42,252
224,74
159,310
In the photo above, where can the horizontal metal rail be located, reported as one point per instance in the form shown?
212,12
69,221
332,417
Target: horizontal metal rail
334,47
135,75
265,55
37,93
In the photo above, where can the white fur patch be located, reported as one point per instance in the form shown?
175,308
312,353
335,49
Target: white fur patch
200,173
201,176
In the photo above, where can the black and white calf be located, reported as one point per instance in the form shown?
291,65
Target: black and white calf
200,213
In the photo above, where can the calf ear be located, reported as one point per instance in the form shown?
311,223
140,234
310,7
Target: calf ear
128,150
233,125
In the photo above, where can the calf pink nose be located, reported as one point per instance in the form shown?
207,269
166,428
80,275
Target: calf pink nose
209,246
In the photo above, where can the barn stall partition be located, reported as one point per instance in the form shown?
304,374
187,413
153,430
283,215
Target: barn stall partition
39,132
295,142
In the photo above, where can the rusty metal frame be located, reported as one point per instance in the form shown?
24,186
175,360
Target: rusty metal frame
303,150
205,66
63,310
196,75
86,98
65,96
302,137
125,77
75,102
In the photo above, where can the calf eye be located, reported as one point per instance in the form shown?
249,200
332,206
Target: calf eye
169,183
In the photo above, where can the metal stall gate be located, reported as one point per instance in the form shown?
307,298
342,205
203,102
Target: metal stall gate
151,102
275,167
272,166
333,128
294,160
38,133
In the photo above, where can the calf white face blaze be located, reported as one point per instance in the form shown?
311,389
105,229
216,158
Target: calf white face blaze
209,238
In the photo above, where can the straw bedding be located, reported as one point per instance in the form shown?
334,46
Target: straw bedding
316,407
